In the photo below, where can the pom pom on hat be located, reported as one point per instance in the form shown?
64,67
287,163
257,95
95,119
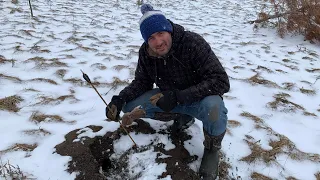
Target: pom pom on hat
152,21
145,8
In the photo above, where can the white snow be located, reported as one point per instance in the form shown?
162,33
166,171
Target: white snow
97,36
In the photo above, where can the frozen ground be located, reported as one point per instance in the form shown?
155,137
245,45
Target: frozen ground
274,108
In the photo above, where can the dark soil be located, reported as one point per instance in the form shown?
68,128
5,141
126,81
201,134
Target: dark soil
91,157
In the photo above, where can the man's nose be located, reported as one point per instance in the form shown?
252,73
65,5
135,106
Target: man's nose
158,41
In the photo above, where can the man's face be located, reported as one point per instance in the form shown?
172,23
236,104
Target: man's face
160,43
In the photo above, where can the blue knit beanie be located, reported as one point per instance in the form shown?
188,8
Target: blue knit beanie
152,21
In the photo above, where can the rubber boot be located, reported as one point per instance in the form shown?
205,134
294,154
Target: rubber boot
181,123
209,168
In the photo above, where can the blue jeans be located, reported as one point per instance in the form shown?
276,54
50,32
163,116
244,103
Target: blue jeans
210,110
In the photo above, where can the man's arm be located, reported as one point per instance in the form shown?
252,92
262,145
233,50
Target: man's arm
214,79
141,83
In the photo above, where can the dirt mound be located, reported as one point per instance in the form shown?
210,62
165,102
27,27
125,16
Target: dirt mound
91,158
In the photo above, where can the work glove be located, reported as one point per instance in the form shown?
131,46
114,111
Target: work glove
168,101
114,108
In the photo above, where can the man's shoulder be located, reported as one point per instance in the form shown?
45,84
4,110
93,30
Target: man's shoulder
193,39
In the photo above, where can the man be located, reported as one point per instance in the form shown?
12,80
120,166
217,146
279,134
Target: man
190,78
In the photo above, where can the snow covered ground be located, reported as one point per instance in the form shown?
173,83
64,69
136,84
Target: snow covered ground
274,107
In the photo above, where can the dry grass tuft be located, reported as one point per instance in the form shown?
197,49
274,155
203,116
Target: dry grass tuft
292,67
309,114
253,117
119,67
317,175
99,66
258,176
308,91
39,131
30,89
233,123
10,103
291,178
3,60
256,79
13,10
295,16
39,117
44,100
74,81
288,86
286,105
280,70
80,46
265,69
229,97
61,73
44,80
42,63
20,147
12,78
118,82
238,67
9,171
313,70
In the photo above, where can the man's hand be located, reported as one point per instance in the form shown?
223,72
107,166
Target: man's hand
167,101
114,108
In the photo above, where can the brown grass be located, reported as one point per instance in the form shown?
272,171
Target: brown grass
313,70
80,46
43,63
39,117
308,91
292,67
20,147
238,67
61,72
31,89
44,80
12,78
258,176
256,79
3,60
281,146
309,114
280,70
44,100
229,97
281,100
233,123
39,131
75,81
99,66
265,69
297,17
291,178
253,117
288,86
9,171
119,67
317,175
10,103
118,82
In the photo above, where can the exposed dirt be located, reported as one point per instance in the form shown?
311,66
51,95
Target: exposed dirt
91,157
